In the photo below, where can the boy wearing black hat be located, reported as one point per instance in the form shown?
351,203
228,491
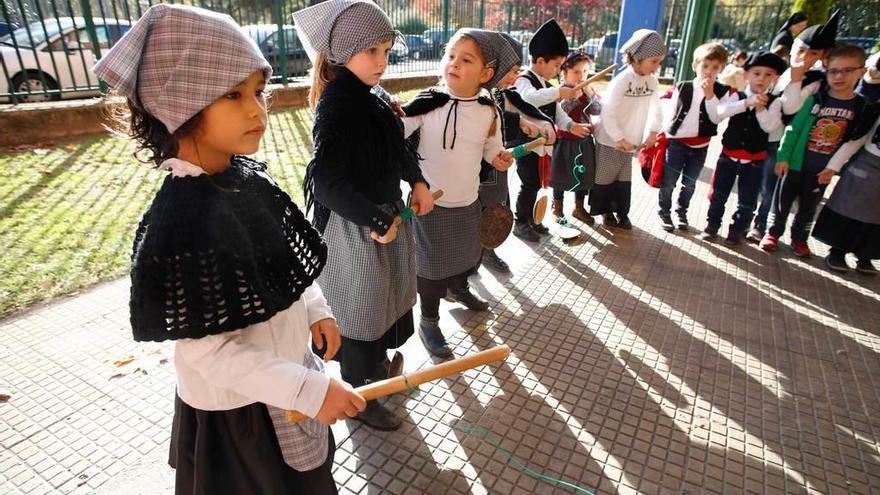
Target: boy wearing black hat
824,122
548,48
792,27
753,114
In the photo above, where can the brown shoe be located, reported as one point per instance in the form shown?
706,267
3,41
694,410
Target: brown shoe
581,214
557,209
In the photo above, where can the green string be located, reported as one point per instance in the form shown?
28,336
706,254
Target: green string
464,427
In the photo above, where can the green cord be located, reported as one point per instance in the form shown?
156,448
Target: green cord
485,435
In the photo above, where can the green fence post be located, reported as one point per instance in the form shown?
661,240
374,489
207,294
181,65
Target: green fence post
445,21
482,14
282,41
93,36
509,17
697,22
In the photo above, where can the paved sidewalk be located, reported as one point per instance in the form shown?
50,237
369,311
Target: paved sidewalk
642,362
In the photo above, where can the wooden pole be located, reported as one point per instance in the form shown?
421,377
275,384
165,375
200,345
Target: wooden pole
401,383
595,77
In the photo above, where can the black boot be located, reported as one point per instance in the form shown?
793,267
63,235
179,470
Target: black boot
379,417
432,337
624,196
470,300
394,367
524,231
491,260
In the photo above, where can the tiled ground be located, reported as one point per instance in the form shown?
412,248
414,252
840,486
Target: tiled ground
642,362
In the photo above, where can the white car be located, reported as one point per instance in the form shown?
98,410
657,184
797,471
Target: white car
50,55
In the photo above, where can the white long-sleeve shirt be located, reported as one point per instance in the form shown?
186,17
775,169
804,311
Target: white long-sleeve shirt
848,149
769,119
630,109
260,363
455,167
541,97
690,126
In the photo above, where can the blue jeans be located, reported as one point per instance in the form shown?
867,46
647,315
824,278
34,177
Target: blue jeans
687,163
768,184
748,178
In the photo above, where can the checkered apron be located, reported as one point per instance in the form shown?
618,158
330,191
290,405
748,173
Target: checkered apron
612,165
369,285
447,241
303,445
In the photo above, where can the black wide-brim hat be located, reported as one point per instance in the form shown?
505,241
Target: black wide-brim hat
821,36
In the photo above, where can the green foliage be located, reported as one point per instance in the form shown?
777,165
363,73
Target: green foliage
817,11
408,21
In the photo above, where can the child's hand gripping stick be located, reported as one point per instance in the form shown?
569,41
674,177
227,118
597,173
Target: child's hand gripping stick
526,148
408,213
595,77
408,381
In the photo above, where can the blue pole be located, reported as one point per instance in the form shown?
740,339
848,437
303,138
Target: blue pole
634,15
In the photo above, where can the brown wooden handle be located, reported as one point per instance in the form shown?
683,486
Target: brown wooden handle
595,77
401,383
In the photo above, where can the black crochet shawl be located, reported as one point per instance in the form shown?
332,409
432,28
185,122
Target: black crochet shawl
216,253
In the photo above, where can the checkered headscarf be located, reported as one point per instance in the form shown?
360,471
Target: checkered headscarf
497,52
644,43
176,60
341,28
507,56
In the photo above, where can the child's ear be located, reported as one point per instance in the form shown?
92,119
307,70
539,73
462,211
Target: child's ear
487,75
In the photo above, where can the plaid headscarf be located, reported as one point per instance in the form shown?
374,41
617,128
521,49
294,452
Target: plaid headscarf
508,56
176,60
644,43
497,52
341,28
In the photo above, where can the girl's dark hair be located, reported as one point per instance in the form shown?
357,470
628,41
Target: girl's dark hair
575,58
150,134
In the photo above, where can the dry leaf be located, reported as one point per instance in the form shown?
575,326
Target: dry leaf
4,395
123,361
142,363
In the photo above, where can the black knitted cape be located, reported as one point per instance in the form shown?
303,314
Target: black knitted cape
216,253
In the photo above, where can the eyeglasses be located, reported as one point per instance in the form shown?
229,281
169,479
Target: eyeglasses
842,72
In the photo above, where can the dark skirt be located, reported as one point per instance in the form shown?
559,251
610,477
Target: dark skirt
236,451
574,165
363,360
848,234
448,241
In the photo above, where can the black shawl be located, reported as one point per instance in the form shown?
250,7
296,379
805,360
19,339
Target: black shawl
216,253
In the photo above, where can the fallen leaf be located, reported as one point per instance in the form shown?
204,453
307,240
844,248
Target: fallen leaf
4,395
123,361
143,363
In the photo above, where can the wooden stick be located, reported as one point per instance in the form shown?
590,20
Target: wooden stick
403,382
409,212
595,77
524,149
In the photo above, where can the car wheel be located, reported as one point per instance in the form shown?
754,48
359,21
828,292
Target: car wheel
31,81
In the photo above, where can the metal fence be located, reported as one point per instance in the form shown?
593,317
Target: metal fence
51,54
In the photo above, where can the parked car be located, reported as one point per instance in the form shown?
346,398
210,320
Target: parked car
866,42
7,27
419,46
438,40
61,56
601,50
399,52
267,39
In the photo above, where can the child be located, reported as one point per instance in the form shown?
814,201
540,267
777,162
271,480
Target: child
753,114
850,220
458,128
690,128
353,182
734,75
574,158
869,86
224,264
520,123
823,123
630,107
548,48
798,82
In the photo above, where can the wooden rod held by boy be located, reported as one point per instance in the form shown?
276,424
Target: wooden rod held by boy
404,382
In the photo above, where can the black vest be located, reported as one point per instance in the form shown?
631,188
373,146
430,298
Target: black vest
685,98
548,109
744,132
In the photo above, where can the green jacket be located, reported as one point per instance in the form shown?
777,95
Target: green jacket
797,133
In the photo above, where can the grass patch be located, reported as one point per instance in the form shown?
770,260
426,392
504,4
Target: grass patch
68,212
